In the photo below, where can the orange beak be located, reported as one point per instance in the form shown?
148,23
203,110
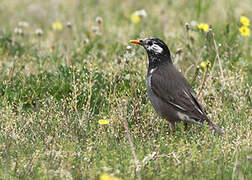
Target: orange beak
135,41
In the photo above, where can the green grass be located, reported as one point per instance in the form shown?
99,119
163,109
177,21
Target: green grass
49,111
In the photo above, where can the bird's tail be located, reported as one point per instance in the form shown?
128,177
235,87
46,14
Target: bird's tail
216,128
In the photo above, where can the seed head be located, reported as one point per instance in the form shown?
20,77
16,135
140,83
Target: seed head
86,41
179,51
187,26
69,25
98,20
39,32
18,31
95,29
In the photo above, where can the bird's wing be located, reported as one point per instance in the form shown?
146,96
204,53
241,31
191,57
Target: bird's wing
171,87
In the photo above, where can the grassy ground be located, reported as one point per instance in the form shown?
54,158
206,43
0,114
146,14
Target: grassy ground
49,111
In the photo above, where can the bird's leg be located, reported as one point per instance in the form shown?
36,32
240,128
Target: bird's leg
172,128
186,126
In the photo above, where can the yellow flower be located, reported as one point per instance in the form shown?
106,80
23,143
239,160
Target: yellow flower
135,18
57,26
105,177
245,31
244,20
103,122
108,177
203,26
204,64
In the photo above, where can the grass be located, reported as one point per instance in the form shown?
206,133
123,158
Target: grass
49,110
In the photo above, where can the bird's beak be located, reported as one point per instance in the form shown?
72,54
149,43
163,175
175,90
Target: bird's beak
135,41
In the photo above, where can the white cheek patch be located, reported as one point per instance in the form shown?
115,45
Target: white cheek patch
156,48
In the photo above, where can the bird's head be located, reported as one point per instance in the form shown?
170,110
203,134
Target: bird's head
157,50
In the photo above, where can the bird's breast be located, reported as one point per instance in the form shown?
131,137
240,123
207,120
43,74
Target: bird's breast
149,76
155,101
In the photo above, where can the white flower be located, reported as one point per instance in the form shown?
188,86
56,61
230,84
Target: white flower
23,24
128,48
193,23
141,13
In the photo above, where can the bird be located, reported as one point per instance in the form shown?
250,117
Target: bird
168,90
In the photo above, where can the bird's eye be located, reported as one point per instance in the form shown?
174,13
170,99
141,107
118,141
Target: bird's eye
150,43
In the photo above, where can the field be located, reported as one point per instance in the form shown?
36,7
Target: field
71,84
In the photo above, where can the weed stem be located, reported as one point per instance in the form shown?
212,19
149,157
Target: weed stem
130,139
